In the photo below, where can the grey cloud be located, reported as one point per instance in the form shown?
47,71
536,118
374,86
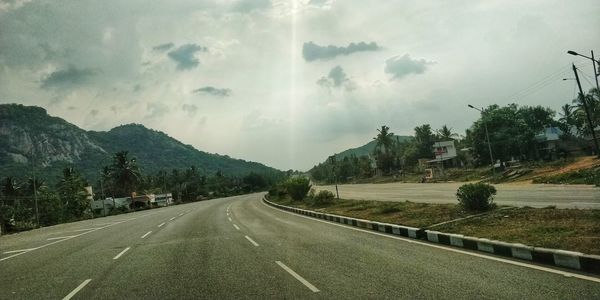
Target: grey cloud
213,91
190,109
245,6
69,77
336,78
184,56
312,51
163,47
94,112
400,66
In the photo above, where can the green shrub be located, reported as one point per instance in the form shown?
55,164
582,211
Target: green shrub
323,197
297,187
476,196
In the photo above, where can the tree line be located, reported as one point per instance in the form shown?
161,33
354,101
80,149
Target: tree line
68,200
512,133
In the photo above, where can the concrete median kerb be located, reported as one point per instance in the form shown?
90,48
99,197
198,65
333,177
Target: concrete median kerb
555,257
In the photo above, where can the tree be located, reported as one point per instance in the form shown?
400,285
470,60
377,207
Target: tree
446,134
567,119
512,131
123,174
424,139
10,188
383,153
72,193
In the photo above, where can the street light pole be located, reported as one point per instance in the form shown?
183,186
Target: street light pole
587,112
594,61
487,135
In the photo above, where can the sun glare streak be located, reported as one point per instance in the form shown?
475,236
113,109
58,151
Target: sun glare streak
292,96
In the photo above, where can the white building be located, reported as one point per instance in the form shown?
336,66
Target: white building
444,150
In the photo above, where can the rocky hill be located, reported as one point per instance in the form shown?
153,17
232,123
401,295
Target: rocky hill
29,136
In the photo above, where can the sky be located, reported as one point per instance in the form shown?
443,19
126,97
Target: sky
288,83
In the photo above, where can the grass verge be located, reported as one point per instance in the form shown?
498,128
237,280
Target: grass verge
568,229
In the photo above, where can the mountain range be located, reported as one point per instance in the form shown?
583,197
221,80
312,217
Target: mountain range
31,140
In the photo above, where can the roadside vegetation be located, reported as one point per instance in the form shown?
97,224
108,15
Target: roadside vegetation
474,214
518,141
68,200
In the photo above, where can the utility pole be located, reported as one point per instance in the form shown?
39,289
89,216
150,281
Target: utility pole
587,112
37,214
332,159
595,73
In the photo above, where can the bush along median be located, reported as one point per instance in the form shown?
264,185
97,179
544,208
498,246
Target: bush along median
577,229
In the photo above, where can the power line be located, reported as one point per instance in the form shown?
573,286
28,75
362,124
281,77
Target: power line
545,81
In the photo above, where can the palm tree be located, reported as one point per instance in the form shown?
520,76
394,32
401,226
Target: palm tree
384,139
123,174
446,133
71,190
10,187
383,151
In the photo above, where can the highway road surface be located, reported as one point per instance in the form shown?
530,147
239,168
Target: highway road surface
533,195
238,247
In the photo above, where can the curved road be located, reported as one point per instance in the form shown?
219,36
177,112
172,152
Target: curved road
533,195
238,247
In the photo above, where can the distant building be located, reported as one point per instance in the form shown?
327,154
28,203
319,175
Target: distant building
445,154
163,199
444,150
549,142
445,157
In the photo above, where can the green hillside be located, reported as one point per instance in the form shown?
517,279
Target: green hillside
366,149
29,136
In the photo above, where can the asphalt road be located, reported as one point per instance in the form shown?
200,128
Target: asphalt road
533,195
238,247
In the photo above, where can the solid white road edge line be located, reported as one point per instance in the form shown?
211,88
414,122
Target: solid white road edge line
516,263
161,224
77,289
147,233
304,281
236,227
251,241
121,253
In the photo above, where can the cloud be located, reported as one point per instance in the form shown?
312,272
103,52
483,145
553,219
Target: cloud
312,51
245,6
163,47
94,112
69,77
190,109
156,110
184,56
318,3
336,78
213,91
400,66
